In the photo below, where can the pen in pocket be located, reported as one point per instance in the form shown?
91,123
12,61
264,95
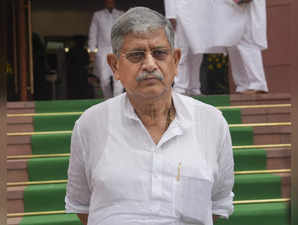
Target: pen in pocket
179,171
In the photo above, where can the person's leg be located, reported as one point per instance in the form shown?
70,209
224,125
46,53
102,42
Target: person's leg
105,84
117,87
238,71
182,79
195,62
253,65
250,62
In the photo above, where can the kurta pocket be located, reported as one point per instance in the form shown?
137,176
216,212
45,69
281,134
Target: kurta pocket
193,197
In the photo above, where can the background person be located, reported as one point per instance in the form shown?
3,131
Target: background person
99,44
223,25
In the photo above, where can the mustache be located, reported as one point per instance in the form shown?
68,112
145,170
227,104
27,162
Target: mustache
146,75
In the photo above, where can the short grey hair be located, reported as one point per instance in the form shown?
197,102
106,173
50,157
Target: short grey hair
139,20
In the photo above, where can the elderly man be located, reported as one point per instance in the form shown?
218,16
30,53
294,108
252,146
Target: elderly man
209,26
99,44
149,156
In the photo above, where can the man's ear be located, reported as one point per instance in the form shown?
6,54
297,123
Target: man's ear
177,57
113,63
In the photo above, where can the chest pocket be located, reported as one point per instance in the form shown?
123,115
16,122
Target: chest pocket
192,195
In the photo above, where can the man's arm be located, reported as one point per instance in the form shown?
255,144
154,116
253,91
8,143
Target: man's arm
222,195
92,41
83,218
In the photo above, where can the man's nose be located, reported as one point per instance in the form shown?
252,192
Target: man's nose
149,63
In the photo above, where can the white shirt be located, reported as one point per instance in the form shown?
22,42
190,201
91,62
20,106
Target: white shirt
211,24
100,39
100,28
118,175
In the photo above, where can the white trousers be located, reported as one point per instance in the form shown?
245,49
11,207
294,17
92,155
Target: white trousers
247,68
187,80
104,73
107,89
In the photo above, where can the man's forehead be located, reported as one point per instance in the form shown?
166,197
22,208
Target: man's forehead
153,38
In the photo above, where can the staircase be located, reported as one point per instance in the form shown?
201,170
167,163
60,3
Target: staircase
38,151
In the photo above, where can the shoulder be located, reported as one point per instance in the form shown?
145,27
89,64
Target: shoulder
100,114
199,108
119,12
98,13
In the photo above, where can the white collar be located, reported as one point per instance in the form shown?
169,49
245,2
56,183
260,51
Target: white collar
183,117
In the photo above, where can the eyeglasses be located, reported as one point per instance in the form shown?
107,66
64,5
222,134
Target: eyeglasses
138,56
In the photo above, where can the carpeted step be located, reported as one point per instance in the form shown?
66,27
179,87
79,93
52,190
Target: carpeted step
60,219
55,168
66,121
80,105
50,197
59,143
263,214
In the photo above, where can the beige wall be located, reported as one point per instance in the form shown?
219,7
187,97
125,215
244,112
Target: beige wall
61,23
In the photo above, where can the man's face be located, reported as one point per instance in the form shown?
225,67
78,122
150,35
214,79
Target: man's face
146,65
109,4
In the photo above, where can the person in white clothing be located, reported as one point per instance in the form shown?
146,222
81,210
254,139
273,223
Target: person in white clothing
99,44
150,155
222,26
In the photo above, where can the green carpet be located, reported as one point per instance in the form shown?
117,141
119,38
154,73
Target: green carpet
59,143
64,105
63,219
233,116
49,197
215,100
258,214
56,168
41,169
257,186
53,123
51,143
81,105
250,159
242,135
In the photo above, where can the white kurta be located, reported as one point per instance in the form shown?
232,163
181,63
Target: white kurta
118,175
221,23
187,81
100,38
211,25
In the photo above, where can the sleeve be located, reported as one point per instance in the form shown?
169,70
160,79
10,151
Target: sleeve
77,191
222,195
93,31
170,9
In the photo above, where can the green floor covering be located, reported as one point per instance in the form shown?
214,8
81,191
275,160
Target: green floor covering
49,197
258,214
59,143
81,105
62,219
41,169
66,122
263,214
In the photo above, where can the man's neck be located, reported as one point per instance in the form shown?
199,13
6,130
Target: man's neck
153,112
